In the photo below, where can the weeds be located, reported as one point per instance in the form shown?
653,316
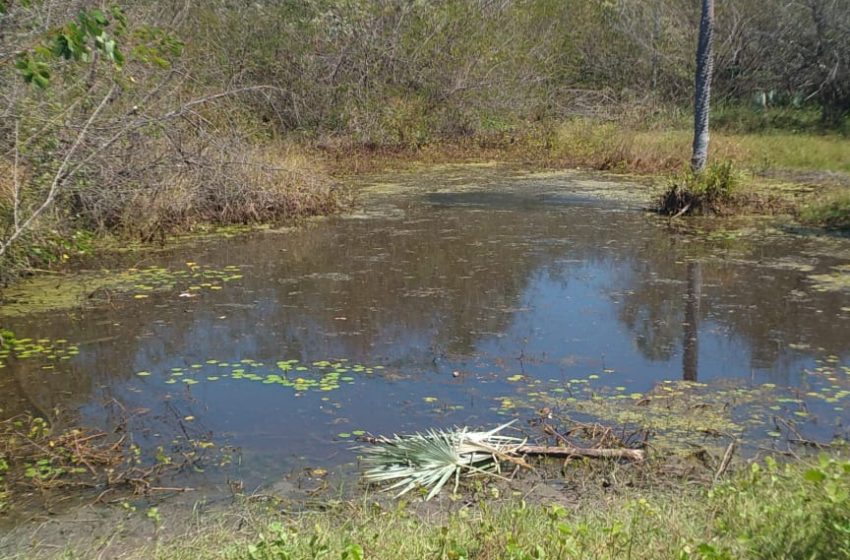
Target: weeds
34,457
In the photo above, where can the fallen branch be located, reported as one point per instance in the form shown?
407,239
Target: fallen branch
809,443
684,209
636,455
431,459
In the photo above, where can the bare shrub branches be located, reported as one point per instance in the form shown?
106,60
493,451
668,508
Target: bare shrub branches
141,149
61,175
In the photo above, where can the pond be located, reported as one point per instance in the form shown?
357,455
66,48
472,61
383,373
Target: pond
458,295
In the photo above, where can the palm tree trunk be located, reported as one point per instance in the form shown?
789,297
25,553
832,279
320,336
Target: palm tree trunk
702,97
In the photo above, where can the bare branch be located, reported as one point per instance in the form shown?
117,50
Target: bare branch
58,179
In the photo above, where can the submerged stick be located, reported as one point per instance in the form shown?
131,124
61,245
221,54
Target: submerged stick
636,455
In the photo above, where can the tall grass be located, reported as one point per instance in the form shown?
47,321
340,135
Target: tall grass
158,191
807,152
610,146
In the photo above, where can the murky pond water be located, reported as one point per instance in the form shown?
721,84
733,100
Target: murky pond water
457,295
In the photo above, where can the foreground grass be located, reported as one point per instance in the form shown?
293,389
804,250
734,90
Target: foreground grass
767,511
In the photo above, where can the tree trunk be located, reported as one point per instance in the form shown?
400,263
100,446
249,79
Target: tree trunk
702,96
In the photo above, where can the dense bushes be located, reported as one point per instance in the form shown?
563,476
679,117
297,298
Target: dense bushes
362,74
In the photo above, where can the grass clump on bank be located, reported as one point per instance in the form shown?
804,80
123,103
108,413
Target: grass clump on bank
766,511
711,191
238,183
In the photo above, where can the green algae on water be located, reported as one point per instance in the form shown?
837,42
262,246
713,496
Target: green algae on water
837,280
48,293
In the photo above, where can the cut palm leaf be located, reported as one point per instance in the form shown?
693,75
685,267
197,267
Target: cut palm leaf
431,459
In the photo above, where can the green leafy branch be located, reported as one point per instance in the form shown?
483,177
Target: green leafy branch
95,33
78,40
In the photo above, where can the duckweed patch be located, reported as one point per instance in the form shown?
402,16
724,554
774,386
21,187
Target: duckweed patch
301,377
45,294
678,414
829,382
47,350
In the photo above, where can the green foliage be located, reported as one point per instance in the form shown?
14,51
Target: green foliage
787,512
154,515
77,40
767,511
272,544
717,183
157,46
5,5
87,36
43,470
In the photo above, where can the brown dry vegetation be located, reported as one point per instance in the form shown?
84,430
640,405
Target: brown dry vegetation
7,185
236,183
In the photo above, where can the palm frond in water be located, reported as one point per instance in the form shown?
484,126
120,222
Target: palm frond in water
431,459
